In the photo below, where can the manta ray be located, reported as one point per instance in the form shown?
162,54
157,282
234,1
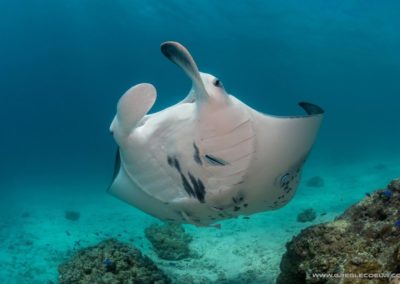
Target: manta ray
210,156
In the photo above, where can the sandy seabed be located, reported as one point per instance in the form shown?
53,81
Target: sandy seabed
35,236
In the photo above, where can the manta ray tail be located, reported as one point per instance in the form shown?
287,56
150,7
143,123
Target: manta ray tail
132,107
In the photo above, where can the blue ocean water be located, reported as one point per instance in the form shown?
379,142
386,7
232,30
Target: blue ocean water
64,65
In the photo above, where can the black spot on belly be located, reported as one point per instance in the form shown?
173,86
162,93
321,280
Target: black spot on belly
187,186
285,179
198,187
289,189
170,161
173,162
215,161
177,164
194,188
196,155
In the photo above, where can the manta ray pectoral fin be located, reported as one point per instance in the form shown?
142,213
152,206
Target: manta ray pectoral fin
132,107
120,181
293,136
117,167
179,55
311,109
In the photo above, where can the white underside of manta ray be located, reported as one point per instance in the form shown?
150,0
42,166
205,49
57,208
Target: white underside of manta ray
209,157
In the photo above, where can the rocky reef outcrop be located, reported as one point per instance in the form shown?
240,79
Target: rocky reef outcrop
307,215
72,215
170,241
110,262
360,246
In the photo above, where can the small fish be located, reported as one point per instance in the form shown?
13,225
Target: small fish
323,213
368,194
107,262
67,233
387,193
246,217
397,224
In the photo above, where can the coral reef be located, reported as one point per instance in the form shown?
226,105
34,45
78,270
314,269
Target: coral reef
307,215
110,262
316,181
170,241
365,239
72,215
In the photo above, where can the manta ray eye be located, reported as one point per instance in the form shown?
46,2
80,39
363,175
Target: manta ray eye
218,83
